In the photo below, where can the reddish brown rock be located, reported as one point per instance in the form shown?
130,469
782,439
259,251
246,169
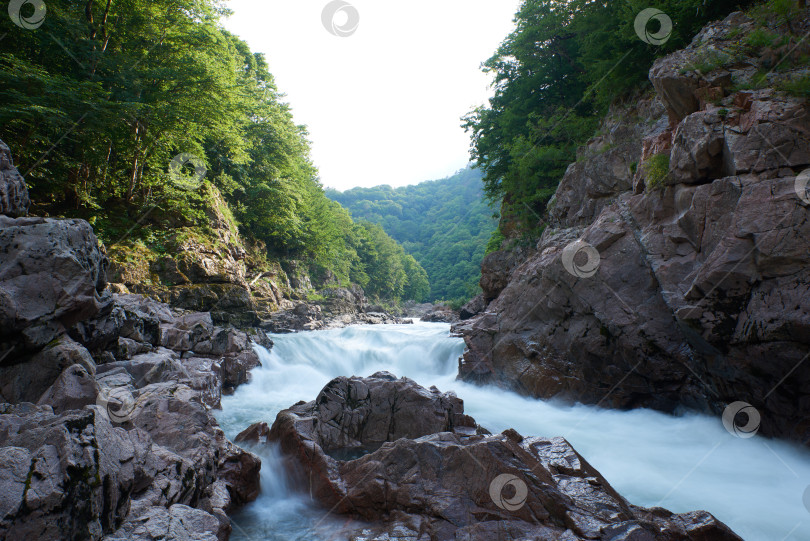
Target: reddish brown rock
122,444
495,269
475,306
431,474
698,295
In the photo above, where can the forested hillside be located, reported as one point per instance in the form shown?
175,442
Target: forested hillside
141,116
445,224
555,77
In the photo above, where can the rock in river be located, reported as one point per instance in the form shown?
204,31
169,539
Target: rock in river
409,463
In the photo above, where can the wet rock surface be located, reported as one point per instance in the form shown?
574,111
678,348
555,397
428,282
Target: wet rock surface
410,464
683,289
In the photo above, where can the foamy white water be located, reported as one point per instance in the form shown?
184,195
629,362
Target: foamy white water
682,463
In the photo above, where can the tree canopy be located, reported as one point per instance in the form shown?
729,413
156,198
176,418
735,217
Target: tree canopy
98,102
554,77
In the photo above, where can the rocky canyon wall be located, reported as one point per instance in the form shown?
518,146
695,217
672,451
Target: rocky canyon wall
106,428
675,267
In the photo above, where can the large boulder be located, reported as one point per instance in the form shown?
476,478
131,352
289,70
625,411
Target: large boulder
441,313
414,309
14,200
410,464
176,522
605,166
175,417
353,415
339,307
495,269
228,303
63,476
343,300
678,312
121,441
73,390
82,474
767,132
27,381
680,79
52,274
158,373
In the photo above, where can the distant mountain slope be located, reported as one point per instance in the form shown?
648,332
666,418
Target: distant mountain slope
445,224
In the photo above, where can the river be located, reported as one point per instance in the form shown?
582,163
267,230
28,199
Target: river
684,462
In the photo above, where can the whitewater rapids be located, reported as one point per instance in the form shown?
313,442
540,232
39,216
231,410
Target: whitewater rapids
687,462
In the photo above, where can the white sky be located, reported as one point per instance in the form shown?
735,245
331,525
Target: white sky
383,106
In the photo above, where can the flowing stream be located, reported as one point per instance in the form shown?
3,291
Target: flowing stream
686,462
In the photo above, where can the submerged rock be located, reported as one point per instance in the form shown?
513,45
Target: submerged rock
410,463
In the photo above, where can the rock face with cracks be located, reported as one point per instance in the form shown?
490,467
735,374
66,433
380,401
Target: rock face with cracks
106,429
675,269
409,463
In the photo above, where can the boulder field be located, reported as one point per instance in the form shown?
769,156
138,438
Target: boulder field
106,430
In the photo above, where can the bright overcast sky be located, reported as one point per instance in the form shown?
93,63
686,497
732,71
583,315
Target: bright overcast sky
383,105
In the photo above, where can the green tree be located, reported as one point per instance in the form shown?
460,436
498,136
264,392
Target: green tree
554,77
98,101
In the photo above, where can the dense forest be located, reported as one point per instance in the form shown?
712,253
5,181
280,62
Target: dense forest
138,115
445,224
555,76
